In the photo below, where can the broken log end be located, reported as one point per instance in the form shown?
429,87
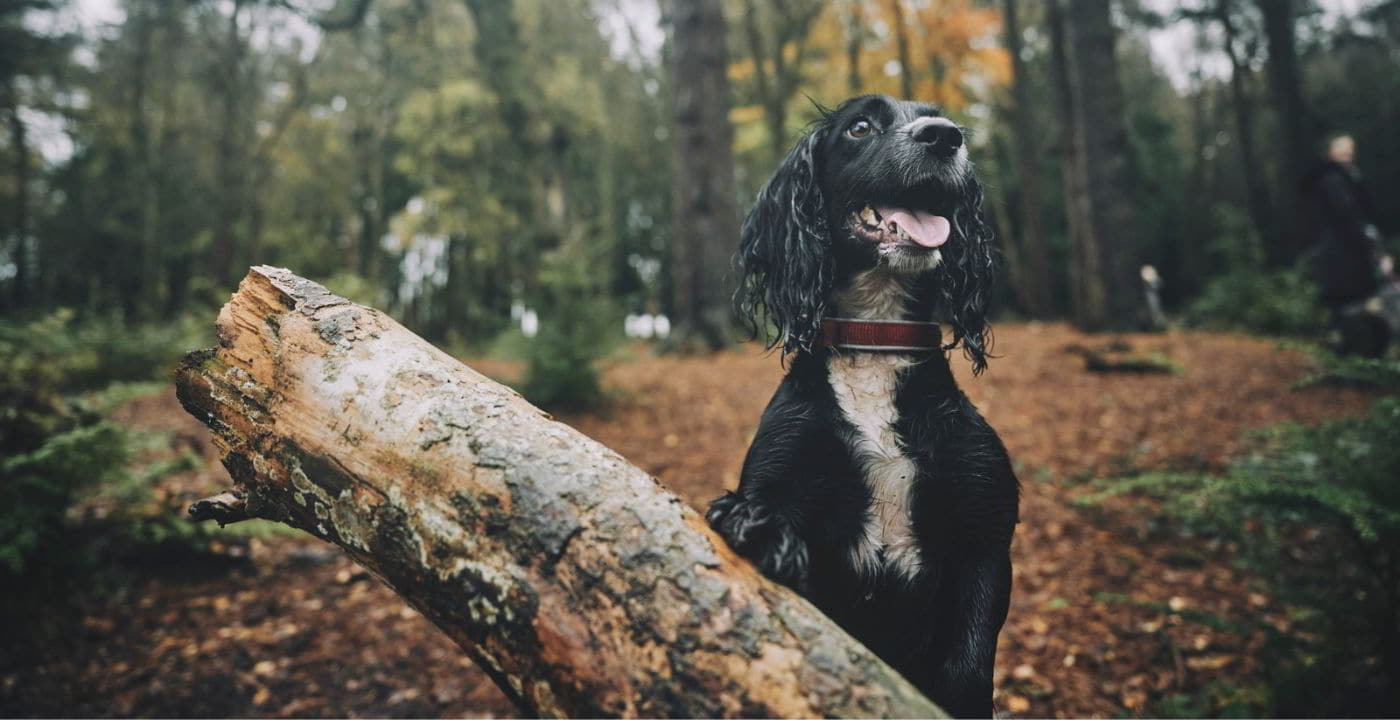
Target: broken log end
226,508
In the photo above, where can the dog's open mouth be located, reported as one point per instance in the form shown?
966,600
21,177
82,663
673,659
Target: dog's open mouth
888,225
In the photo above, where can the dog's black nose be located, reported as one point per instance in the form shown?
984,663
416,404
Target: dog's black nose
937,134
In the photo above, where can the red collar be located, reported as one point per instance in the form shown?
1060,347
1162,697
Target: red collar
881,335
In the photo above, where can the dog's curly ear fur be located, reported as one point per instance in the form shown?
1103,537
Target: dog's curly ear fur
785,264
966,282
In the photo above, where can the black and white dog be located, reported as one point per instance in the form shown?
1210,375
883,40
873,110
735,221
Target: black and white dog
873,486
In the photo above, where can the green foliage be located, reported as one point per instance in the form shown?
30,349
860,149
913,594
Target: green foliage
1316,513
69,354
354,288
577,327
1247,295
1273,302
1353,370
561,370
55,448
1216,699
38,487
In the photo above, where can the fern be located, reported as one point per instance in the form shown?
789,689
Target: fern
1315,513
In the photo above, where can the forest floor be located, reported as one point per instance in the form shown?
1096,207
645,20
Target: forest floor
1102,618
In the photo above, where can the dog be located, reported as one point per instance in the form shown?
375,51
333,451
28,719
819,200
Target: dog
873,486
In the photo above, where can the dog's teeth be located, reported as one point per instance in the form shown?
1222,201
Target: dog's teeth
867,216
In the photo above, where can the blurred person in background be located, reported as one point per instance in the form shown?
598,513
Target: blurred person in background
1350,262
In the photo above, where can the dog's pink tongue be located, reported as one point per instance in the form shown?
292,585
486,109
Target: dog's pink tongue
926,229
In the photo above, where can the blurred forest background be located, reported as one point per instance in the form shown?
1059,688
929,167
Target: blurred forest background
449,159
531,182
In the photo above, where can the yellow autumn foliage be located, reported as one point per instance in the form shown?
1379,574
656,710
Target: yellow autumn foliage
956,58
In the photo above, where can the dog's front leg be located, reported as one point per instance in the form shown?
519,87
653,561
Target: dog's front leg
963,683
763,534
762,519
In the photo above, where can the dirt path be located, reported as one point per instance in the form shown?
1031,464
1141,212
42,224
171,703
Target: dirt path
298,631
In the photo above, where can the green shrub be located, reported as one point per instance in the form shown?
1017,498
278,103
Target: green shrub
1353,370
1273,302
1316,515
562,371
69,354
57,378
38,487
577,327
1247,295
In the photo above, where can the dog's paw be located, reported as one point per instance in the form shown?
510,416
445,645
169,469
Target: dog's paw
761,535
962,693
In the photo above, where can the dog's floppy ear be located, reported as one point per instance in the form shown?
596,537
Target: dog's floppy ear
784,255
966,282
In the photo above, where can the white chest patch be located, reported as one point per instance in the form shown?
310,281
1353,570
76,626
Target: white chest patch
864,385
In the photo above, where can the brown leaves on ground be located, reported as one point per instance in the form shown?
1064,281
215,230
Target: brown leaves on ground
1066,650
1096,625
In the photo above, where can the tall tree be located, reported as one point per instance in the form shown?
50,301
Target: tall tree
24,54
1256,192
229,161
1295,126
19,221
1111,299
1034,255
853,23
776,76
1072,176
901,40
705,222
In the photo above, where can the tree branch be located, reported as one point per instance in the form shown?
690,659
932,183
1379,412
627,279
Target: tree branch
572,577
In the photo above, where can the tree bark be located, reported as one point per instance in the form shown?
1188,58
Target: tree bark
854,25
1072,175
19,143
1036,258
228,161
1113,300
578,583
1257,194
901,41
1295,127
768,40
705,217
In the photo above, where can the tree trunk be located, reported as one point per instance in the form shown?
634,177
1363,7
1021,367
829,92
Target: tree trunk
774,107
901,40
228,163
1035,260
1113,300
19,144
1295,134
1076,200
1190,265
578,583
705,219
855,40
1257,195
786,25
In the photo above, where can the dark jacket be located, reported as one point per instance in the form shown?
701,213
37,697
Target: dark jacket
1339,214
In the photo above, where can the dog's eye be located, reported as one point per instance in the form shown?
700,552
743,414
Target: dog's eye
860,128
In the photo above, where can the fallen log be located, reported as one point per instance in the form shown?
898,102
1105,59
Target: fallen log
573,578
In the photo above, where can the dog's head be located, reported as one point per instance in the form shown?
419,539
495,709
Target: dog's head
877,184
